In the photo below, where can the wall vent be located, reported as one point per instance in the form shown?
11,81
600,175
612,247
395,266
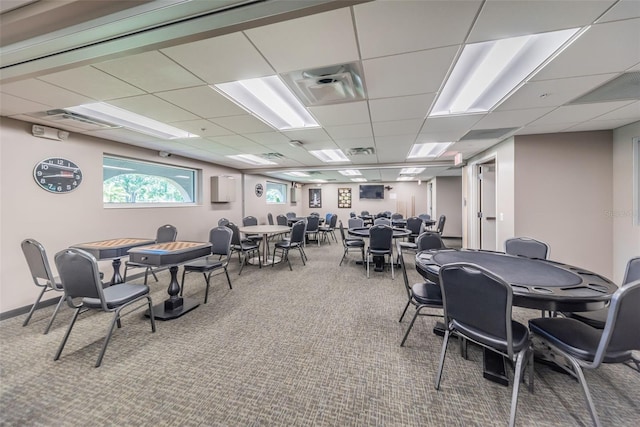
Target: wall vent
272,156
361,151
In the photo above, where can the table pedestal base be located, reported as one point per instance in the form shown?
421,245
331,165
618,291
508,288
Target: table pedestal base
165,312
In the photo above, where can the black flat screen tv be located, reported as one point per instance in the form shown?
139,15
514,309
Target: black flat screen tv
372,191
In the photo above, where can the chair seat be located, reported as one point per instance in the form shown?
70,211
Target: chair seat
380,251
520,335
407,245
203,265
117,295
357,243
575,338
596,318
286,244
245,246
427,293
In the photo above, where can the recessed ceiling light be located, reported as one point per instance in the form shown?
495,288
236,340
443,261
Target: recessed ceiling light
488,71
251,159
270,100
318,180
428,149
411,171
359,179
329,156
299,174
350,172
405,178
118,116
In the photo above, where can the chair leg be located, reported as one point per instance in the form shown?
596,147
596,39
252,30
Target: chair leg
367,262
228,279
405,310
273,257
285,253
301,255
343,255
66,335
153,273
116,319
55,313
393,276
585,390
243,262
207,278
35,306
442,356
152,318
516,386
415,316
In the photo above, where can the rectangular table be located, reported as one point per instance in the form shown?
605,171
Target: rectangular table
113,249
171,254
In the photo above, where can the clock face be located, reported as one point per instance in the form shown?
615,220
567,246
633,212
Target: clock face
57,175
259,190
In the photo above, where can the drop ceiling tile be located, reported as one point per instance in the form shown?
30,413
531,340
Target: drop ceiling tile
307,135
592,53
91,82
578,113
624,9
416,25
501,19
631,111
44,93
409,73
312,41
210,146
10,105
202,101
268,138
458,125
513,118
242,124
350,131
346,143
534,129
592,125
397,127
221,59
349,113
202,128
552,93
150,71
232,140
400,108
154,107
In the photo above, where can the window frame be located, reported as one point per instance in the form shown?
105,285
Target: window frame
283,188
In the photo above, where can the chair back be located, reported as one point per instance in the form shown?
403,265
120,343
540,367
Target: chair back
621,330
249,220
526,247
341,227
355,223
327,217
270,218
382,221
291,215
220,238
38,263
364,213
424,217
333,221
396,216
386,214
414,225
440,226
429,240
312,223
80,275
222,222
632,272
166,233
298,232
403,267
317,214
352,214
476,298
380,237
281,220
235,238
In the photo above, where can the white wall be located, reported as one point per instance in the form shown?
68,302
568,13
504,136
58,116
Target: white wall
257,206
626,235
60,220
448,195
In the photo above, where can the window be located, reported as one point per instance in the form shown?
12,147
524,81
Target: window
134,182
276,193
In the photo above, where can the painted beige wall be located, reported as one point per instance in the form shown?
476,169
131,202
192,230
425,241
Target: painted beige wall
257,206
60,220
448,202
626,235
564,185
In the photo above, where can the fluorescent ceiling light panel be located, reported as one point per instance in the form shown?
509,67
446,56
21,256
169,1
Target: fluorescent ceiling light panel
359,179
350,172
428,149
329,156
487,72
118,116
405,178
299,174
411,171
251,159
318,180
270,100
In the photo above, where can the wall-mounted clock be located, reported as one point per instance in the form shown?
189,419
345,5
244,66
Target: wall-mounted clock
259,190
57,175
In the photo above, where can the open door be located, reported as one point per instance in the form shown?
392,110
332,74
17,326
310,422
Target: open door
487,205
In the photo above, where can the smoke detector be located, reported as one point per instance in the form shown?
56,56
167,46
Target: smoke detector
327,85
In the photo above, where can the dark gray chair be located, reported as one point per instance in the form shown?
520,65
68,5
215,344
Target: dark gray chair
296,241
383,221
477,307
291,215
355,223
313,226
166,233
426,240
281,220
586,347
248,221
422,295
217,262
526,247
80,278
36,258
222,222
329,228
381,244
416,226
598,318
352,214
244,248
350,243
396,215
270,218
440,226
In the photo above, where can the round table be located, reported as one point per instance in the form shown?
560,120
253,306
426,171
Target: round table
364,232
266,231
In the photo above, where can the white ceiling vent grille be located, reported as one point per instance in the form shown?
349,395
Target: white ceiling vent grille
624,87
361,151
272,156
327,85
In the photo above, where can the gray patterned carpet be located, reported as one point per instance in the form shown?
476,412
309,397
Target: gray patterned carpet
318,345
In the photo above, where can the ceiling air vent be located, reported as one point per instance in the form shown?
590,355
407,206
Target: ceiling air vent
327,85
487,134
623,87
272,156
361,151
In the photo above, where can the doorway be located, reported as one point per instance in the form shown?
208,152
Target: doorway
486,174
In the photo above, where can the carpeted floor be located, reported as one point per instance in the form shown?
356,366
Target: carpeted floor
318,345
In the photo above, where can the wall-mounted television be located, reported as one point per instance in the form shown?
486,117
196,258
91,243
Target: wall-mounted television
372,191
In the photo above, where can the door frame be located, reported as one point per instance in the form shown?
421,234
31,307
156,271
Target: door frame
473,242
